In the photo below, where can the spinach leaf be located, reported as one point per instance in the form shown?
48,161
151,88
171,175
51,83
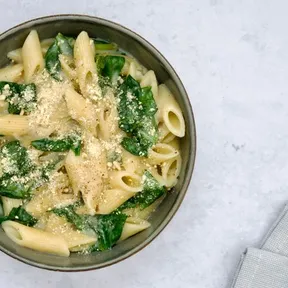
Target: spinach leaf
146,100
65,44
128,107
16,159
42,174
79,221
104,45
108,228
19,175
59,145
152,190
132,145
136,110
14,189
110,66
61,45
20,215
52,62
19,96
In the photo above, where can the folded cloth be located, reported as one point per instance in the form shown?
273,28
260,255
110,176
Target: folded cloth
262,269
266,267
276,240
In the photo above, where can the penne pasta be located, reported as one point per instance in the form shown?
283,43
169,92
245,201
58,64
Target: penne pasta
149,79
111,199
9,204
82,110
35,239
132,163
170,112
171,171
162,152
67,64
132,227
14,125
85,67
165,136
144,214
11,73
15,55
87,172
33,61
126,181
75,240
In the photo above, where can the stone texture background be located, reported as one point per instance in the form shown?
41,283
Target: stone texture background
232,56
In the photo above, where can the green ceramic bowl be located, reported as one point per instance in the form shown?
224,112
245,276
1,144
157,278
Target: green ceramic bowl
151,58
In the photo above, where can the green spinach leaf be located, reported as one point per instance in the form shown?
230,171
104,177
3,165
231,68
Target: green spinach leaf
61,45
110,66
14,189
20,215
79,221
136,110
108,228
52,62
15,159
19,176
65,44
19,96
59,145
152,190
104,45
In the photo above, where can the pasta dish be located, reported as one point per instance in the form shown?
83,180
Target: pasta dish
89,144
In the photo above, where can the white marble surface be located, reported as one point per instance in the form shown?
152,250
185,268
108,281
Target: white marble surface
232,56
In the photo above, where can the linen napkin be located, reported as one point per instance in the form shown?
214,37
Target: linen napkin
266,267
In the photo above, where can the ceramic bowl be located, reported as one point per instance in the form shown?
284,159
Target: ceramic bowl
151,58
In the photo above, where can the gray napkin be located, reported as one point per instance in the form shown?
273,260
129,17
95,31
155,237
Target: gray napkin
266,267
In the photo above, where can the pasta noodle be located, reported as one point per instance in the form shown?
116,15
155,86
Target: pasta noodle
107,115
144,214
171,171
81,110
11,73
9,203
112,199
14,125
85,66
66,64
127,181
170,112
32,56
132,227
162,152
86,173
16,55
165,136
149,79
51,195
89,144
75,240
35,239
132,163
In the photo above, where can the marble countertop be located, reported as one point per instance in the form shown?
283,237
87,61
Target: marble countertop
233,59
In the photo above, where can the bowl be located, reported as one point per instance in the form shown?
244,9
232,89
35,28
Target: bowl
151,58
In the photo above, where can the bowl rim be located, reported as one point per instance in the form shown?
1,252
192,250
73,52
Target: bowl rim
192,139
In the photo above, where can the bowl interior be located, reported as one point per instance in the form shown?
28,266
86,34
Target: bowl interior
72,25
